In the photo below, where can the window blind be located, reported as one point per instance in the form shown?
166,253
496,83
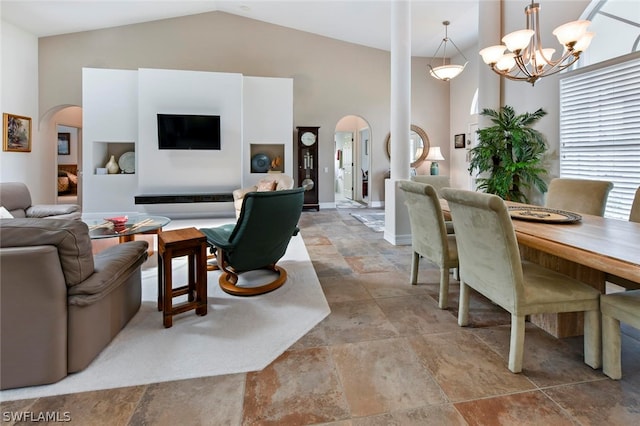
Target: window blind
600,130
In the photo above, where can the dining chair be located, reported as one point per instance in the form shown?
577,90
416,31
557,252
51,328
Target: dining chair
438,182
578,195
490,263
429,236
622,306
634,216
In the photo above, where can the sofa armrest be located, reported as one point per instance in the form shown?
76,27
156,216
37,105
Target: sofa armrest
33,336
59,211
111,267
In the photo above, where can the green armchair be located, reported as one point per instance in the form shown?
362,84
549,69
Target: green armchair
258,240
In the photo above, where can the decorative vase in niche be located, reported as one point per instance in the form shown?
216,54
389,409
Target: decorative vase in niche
112,166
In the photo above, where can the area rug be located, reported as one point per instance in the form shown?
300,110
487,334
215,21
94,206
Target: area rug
374,221
238,334
350,204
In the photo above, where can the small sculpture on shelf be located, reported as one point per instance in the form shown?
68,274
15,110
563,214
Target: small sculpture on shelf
112,166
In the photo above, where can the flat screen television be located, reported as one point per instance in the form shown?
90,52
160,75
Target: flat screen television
180,131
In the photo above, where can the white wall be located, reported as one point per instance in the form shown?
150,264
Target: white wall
266,122
110,119
120,114
20,97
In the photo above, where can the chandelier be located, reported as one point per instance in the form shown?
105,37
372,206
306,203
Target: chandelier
446,72
528,60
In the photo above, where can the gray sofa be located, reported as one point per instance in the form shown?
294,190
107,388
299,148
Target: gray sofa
16,198
60,305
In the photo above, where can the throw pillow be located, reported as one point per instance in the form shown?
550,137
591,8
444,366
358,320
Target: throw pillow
266,185
4,213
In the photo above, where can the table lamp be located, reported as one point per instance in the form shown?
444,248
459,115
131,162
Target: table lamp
434,156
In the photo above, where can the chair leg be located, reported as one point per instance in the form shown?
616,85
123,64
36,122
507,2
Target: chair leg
611,344
463,306
592,339
443,301
516,346
415,261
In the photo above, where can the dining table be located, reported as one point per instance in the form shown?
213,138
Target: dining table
588,248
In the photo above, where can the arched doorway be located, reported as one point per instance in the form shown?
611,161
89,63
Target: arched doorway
352,162
63,127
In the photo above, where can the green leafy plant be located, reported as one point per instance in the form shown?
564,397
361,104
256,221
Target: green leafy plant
509,154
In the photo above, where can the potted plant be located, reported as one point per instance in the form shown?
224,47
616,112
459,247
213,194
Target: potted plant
508,157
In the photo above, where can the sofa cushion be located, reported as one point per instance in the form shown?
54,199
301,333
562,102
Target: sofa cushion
71,237
16,198
111,265
266,185
46,210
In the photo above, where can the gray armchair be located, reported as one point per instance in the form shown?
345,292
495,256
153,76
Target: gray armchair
16,198
59,304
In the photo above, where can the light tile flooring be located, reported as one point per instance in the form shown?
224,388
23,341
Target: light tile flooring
386,355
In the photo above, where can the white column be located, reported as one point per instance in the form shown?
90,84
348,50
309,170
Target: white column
397,227
400,88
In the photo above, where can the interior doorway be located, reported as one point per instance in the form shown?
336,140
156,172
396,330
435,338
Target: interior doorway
352,159
65,132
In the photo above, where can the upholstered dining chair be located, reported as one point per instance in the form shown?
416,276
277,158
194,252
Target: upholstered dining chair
258,240
616,307
429,237
438,182
490,264
578,195
634,216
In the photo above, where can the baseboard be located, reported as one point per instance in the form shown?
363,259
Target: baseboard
397,240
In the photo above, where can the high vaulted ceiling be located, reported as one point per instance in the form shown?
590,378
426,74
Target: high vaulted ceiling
364,22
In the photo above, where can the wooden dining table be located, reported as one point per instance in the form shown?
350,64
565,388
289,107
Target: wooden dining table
589,249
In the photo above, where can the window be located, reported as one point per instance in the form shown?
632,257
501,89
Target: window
600,129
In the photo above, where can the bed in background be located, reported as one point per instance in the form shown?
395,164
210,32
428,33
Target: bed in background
67,179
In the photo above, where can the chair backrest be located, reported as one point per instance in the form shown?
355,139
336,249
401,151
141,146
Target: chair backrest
438,182
428,231
487,247
267,222
634,215
578,195
15,197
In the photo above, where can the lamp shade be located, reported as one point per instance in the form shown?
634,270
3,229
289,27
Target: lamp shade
434,154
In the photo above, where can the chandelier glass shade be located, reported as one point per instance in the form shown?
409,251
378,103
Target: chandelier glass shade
446,72
527,60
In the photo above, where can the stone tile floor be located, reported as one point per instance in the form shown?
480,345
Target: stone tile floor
385,355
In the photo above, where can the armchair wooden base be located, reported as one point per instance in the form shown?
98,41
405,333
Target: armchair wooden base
229,279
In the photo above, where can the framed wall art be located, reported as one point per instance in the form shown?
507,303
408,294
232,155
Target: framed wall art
459,141
16,135
64,143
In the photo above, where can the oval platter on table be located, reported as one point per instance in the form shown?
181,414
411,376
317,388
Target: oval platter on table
543,214
260,163
127,162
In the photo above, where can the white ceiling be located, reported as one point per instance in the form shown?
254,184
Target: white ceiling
365,22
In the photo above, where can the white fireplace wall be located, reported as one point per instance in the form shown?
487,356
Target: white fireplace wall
121,106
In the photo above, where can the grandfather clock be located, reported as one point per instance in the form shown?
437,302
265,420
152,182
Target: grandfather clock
308,165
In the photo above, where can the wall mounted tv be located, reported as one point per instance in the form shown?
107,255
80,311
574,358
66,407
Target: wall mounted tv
179,131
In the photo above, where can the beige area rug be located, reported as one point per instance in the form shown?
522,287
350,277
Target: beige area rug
237,334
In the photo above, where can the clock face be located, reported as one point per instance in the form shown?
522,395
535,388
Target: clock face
308,138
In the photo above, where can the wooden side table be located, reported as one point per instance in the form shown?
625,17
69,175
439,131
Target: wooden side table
177,243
